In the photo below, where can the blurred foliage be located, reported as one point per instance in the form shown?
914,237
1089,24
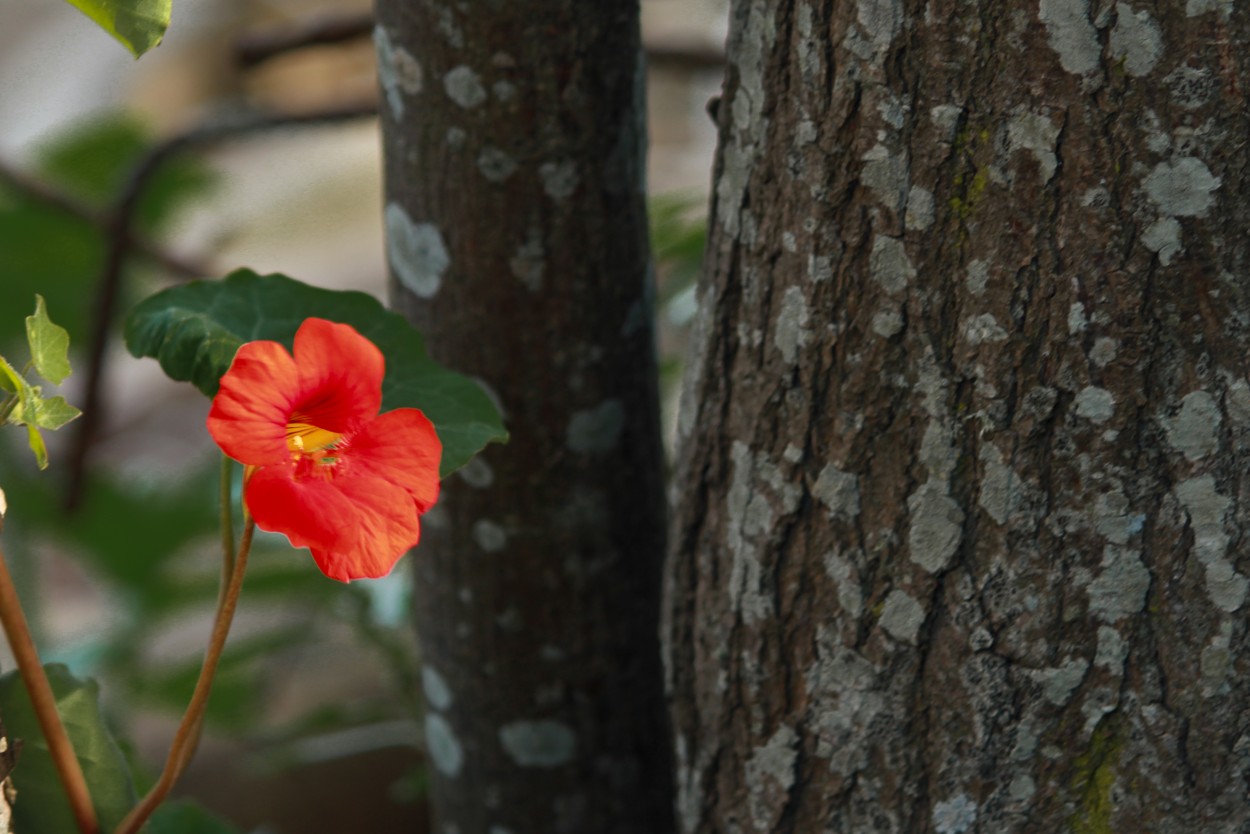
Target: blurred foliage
49,251
172,570
678,236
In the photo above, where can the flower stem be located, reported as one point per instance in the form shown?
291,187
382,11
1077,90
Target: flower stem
227,527
44,702
188,731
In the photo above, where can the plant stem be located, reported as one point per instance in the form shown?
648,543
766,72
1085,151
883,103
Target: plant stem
44,702
227,527
226,518
188,731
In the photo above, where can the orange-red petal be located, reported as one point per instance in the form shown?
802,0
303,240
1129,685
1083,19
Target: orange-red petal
340,375
249,414
333,382
402,448
357,527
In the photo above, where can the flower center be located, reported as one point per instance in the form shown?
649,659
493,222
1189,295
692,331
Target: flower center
306,439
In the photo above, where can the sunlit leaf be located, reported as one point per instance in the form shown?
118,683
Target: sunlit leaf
49,345
35,440
10,379
54,412
138,24
194,330
42,807
46,250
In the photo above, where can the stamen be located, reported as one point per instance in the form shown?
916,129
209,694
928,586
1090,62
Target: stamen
302,437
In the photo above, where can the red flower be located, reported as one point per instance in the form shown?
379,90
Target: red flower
323,467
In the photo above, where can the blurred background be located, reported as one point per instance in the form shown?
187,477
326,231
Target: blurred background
315,712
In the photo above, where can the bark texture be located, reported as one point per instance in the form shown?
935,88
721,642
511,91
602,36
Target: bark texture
516,224
959,542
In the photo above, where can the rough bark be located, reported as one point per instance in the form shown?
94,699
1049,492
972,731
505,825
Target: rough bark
514,143
958,543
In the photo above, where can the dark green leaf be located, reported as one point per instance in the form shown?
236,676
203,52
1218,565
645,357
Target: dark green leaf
138,24
42,807
49,345
182,816
195,329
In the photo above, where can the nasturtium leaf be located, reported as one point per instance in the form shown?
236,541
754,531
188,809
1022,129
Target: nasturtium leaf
49,345
194,330
42,807
138,24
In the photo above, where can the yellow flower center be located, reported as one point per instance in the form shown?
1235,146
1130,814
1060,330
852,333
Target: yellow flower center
305,438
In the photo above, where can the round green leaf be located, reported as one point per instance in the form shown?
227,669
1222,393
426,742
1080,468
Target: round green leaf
41,807
194,330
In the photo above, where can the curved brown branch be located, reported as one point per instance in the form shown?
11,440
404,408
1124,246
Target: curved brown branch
42,192
256,48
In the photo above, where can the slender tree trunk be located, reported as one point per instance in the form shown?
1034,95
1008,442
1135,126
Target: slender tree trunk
966,439
516,222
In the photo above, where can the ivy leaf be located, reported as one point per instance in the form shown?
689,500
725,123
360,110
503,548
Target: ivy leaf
35,441
43,808
46,413
194,330
138,24
10,379
34,410
49,345
27,400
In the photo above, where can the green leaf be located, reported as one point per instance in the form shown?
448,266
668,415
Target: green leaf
26,409
43,808
194,330
49,345
182,816
138,24
34,411
35,439
10,379
54,412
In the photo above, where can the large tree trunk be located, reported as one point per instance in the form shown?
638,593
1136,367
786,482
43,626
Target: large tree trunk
965,454
514,143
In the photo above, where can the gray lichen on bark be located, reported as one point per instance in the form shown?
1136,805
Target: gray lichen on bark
1023,366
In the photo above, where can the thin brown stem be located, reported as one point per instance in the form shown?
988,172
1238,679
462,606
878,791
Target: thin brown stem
44,702
188,731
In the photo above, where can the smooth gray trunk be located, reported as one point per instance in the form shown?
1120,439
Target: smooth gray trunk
516,222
